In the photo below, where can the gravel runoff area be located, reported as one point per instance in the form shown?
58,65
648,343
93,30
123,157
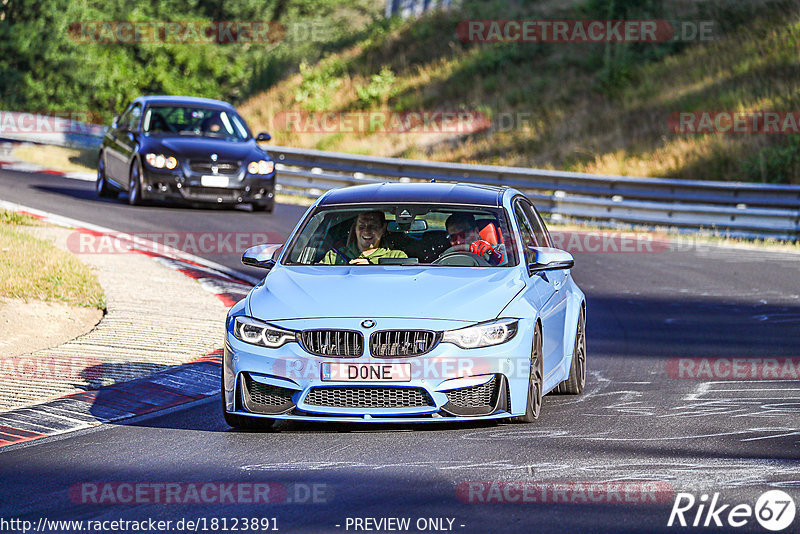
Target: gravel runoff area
156,317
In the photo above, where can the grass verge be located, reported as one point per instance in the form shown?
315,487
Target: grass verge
58,158
33,269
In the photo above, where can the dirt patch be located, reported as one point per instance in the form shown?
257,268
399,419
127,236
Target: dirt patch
36,325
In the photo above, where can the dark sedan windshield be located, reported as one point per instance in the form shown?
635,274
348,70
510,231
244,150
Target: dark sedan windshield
192,120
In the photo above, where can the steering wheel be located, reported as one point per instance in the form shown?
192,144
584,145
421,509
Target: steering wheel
461,258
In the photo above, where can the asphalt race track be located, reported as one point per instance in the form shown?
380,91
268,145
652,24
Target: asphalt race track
638,420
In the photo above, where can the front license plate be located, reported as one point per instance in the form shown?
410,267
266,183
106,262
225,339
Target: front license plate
366,372
214,181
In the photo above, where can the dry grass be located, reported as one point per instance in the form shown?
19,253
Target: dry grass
33,269
570,121
58,158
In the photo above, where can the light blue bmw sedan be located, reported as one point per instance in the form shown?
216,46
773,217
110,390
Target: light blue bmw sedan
406,302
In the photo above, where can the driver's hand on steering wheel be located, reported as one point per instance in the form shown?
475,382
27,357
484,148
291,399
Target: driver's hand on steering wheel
486,251
359,261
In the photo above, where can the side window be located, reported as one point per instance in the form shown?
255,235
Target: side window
125,118
539,230
133,119
526,232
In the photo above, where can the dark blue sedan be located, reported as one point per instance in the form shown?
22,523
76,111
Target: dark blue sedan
189,149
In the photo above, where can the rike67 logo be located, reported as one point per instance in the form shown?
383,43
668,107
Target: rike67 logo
774,510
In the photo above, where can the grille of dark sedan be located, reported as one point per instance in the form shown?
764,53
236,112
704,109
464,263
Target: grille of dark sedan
335,343
402,343
265,398
483,396
207,167
211,193
369,397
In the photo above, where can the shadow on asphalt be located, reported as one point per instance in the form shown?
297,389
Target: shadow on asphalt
84,193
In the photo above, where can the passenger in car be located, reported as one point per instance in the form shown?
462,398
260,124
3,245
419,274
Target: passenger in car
462,231
364,242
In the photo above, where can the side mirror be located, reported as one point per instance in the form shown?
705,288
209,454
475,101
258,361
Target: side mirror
115,121
262,256
263,136
550,259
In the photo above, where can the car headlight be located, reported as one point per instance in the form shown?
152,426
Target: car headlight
160,161
260,167
483,334
260,333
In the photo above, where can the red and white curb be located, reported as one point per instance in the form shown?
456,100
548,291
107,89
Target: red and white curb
178,385
22,166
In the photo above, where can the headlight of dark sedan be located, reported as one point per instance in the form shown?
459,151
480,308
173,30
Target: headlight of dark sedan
482,334
260,333
160,161
260,167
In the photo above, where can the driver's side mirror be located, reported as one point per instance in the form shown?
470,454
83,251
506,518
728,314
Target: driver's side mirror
550,259
263,136
115,121
262,256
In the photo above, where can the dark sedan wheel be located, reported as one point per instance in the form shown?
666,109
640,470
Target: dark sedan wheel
574,384
104,190
267,206
135,190
534,404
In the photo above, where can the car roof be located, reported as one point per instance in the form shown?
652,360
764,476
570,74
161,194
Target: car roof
428,193
190,100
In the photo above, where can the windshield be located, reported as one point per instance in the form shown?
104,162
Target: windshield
411,234
195,121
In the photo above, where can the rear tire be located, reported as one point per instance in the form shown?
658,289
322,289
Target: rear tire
534,404
104,190
576,380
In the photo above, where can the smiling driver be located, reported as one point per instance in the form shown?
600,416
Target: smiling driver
363,244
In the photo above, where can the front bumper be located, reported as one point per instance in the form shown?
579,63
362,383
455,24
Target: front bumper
448,383
182,184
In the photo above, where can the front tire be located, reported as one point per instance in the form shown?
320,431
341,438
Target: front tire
135,190
102,187
576,380
534,404
267,206
242,421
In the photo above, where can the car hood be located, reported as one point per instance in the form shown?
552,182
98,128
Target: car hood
456,293
201,147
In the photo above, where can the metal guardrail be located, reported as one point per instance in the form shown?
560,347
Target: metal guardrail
745,209
731,208
45,130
